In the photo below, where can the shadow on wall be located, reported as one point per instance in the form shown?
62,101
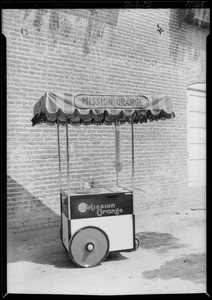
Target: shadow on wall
25,211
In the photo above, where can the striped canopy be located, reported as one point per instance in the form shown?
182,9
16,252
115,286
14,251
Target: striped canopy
101,109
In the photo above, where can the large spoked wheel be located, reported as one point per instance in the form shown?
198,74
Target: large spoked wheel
88,247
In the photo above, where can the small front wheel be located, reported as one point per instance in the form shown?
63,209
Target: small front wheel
137,243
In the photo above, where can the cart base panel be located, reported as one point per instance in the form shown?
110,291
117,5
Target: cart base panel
119,229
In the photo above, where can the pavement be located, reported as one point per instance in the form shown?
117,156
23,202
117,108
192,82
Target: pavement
171,259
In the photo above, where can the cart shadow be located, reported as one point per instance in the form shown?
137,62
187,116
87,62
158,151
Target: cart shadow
44,247
54,254
40,246
115,256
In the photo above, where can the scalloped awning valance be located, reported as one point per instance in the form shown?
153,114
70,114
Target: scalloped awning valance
101,109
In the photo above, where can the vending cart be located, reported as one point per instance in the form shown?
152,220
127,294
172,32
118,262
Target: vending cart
96,220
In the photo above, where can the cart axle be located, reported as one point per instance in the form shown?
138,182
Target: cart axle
89,247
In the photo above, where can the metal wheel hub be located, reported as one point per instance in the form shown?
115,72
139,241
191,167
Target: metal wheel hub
89,247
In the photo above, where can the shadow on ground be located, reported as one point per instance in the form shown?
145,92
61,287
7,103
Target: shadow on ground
41,246
161,242
189,267
44,247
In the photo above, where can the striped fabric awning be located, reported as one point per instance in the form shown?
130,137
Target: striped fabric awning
101,109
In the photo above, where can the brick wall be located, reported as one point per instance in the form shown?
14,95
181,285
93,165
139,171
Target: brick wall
97,51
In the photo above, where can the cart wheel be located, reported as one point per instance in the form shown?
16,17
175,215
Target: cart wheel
137,243
88,247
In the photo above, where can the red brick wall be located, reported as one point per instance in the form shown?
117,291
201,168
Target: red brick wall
107,52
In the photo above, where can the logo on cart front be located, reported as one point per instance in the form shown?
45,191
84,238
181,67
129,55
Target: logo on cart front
100,209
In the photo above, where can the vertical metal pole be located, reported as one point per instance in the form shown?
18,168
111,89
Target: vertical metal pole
59,160
132,157
68,174
132,134
117,151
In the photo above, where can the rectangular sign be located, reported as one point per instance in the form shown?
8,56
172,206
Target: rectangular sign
101,205
111,101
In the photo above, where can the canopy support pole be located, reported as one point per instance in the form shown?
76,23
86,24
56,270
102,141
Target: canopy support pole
59,160
68,173
132,134
118,151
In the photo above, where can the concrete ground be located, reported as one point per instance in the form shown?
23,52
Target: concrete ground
171,259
